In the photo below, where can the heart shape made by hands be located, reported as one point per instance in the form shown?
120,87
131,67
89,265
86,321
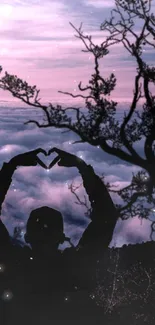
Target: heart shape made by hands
43,160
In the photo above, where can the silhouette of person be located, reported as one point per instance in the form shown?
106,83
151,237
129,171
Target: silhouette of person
46,270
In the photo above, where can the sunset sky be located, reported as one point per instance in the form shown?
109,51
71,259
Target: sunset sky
37,43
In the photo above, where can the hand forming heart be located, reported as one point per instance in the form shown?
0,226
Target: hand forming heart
42,164
64,159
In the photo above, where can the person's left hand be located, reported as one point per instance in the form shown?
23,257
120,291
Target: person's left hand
28,158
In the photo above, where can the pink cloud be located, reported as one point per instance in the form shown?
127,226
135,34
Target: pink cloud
130,231
42,49
100,3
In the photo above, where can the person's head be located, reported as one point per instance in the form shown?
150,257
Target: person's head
44,230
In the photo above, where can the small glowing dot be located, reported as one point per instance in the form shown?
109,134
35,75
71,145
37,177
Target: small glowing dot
15,190
47,170
37,220
81,156
45,226
66,299
2,268
69,142
98,147
7,295
31,258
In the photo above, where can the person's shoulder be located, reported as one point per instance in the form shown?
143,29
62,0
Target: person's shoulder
20,253
73,255
68,253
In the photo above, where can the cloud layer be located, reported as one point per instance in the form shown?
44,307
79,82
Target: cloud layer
37,43
33,187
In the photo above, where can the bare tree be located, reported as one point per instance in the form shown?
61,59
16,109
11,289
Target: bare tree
98,125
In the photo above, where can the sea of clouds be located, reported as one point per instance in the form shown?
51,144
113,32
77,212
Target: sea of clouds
33,187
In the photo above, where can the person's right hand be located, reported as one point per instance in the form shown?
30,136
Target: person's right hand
28,158
65,159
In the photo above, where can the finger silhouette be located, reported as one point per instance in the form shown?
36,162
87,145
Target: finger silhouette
55,160
54,149
41,163
39,150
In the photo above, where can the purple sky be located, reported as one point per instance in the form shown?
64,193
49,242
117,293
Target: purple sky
38,44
